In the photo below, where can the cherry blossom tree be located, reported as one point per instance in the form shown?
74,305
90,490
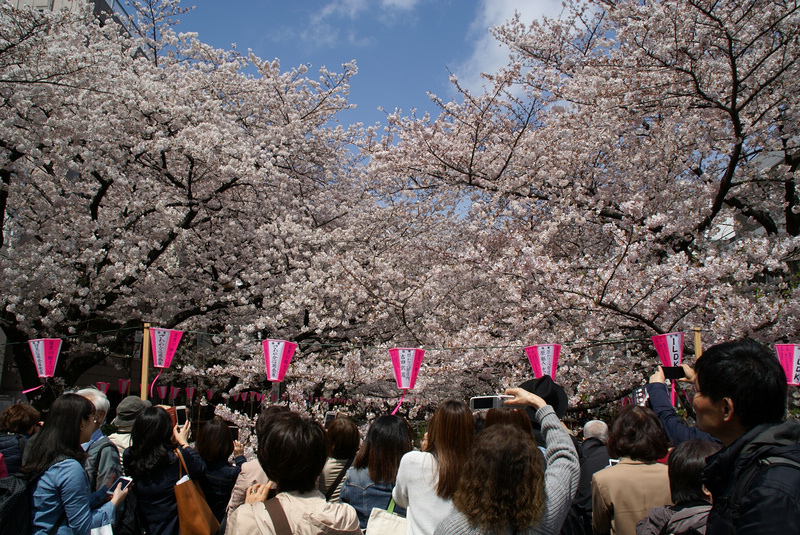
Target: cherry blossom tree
632,171
182,191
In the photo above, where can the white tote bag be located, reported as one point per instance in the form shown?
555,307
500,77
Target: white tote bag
385,522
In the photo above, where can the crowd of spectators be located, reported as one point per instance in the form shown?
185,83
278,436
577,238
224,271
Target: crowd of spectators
511,470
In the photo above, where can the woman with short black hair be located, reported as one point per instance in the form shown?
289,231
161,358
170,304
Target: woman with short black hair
215,445
292,455
623,494
343,442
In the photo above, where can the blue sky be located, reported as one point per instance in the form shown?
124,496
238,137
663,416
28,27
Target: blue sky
403,48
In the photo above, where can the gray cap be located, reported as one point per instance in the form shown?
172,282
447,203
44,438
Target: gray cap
128,409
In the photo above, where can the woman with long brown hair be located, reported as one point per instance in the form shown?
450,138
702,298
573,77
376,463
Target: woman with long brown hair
427,480
505,487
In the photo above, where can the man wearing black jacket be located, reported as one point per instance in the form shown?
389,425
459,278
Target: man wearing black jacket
755,479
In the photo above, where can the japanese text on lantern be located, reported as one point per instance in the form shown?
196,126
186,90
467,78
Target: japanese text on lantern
406,358
275,357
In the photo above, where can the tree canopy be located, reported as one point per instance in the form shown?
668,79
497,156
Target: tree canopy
632,171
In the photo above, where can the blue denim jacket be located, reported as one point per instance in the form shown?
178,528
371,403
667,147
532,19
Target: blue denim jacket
65,487
363,494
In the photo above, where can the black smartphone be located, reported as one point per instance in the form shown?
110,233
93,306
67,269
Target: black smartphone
124,481
487,402
181,415
673,372
234,432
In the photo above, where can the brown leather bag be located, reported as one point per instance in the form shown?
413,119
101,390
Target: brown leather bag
194,514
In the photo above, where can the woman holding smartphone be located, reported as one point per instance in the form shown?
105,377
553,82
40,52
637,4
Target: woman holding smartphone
62,501
153,463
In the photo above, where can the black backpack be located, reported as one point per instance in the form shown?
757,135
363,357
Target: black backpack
746,480
16,500
15,503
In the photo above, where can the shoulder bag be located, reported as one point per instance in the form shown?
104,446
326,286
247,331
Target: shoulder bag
385,522
194,514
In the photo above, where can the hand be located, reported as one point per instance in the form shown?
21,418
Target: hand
181,434
424,445
238,448
658,376
523,397
257,493
691,377
120,494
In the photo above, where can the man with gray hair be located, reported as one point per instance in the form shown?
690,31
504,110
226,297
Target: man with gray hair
595,429
102,465
594,457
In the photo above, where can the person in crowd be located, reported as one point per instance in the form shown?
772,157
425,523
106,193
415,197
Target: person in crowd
62,497
251,472
505,488
755,479
127,411
426,480
18,422
153,463
691,498
369,482
594,457
103,462
623,494
509,415
215,444
343,442
555,396
292,455
659,401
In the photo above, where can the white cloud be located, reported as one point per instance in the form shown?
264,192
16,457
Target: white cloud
487,54
402,5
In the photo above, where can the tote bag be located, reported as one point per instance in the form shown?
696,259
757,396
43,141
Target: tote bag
194,514
385,522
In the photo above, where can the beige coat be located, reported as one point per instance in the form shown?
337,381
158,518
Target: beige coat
623,494
308,514
250,474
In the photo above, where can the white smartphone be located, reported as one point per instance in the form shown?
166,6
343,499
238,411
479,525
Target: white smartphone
181,415
488,402
121,480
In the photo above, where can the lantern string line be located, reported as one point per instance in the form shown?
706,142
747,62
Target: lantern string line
400,402
350,346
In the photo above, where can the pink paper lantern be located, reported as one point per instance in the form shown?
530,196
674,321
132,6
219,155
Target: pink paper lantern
277,355
543,359
124,386
789,357
45,355
669,348
406,363
164,343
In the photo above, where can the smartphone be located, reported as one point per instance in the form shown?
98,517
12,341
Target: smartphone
234,432
121,480
329,417
181,415
487,402
673,372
